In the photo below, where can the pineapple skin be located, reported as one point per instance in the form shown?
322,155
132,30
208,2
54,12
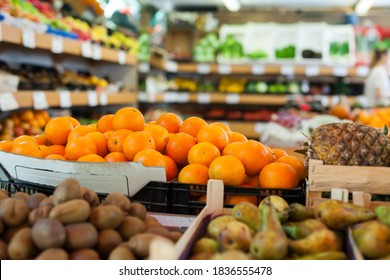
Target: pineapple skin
349,144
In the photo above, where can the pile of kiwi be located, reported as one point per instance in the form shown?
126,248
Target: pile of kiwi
75,224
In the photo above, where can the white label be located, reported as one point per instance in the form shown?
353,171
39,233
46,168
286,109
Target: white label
203,68
325,101
65,99
182,97
142,96
287,70
122,57
86,49
340,71
362,71
103,98
224,69
28,38
259,127
232,98
96,52
311,71
8,102
171,66
57,44
258,69
170,97
144,67
92,98
39,100
204,98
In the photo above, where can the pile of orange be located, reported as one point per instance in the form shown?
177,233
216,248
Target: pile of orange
190,150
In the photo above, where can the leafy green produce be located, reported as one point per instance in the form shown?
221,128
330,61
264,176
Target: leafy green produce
257,54
339,48
286,52
231,48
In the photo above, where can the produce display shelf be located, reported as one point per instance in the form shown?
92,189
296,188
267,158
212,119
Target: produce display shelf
46,99
14,35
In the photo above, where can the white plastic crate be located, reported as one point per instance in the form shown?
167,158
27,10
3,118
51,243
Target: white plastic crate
238,31
259,37
285,35
311,42
338,35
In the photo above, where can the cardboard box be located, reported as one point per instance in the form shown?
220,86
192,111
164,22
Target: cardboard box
125,177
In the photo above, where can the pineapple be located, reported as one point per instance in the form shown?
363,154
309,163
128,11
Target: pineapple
350,144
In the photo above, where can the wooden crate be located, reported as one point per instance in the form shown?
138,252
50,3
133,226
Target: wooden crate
361,181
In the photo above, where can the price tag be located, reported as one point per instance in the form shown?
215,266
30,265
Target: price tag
362,71
340,71
259,127
170,97
232,98
86,49
204,98
142,97
203,68
103,98
92,98
258,69
28,37
325,101
182,97
287,70
171,66
144,67
122,57
39,100
57,44
65,99
312,71
224,69
96,52
8,102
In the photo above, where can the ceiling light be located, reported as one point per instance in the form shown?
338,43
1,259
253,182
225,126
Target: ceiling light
232,5
363,6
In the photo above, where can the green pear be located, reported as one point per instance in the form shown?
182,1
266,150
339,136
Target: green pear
247,213
299,212
328,255
204,244
235,235
298,230
216,224
383,214
231,255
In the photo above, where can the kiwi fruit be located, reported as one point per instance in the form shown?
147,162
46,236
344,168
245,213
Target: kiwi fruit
131,226
73,211
66,190
80,236
175,235
21,195
118,199
35,199
49,201
48,233
22,246
140,243
13,212
3,250
84,254
90,196
151,221
121,253
106,216
53,254
41,212
138,210
108,239
3,194
162,231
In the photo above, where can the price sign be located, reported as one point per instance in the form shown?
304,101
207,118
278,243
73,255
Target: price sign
86,49
144,67
170,97
122,57
142,97
204,98
57,44
258,69
96,52
171,66
232,98
224,69
287,70
65,99
28,38
92,98
362,71
259,127
340,71
312,71
103,98
182,97
39,100
8,102
203,68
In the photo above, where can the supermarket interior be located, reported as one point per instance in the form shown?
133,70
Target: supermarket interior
194,130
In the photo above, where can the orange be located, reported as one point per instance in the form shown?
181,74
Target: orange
108,133
203,153
27,115
91,158
57,149
192,125
150,157
41,139
229,169
78,147
128,117
170,121
224,126
235,199
115,157
202,198
55,156
278,175
171,168
252,181
6,145
178,147
296,164
100,141
27,148
271,156
57,130
45,150
213,134
104,123
194,173
279,153
137,141
232,149
151,122
23,138
74,121
236,137
92,126
116,138
80,130
160,136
